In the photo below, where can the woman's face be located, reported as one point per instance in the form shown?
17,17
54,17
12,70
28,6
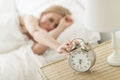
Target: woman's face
49,21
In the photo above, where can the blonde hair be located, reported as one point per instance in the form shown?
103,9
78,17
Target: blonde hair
58,9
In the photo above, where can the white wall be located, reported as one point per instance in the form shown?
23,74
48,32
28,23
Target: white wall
27,6
105,36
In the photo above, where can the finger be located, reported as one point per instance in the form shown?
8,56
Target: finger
69,46
63,49
68,43
64,52
69,19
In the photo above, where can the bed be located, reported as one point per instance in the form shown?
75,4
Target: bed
17,61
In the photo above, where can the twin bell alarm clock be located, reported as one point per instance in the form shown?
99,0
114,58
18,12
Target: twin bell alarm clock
82,57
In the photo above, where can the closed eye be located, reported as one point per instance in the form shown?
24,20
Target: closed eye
51,20
56,25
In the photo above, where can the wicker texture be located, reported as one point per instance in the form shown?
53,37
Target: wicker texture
60,70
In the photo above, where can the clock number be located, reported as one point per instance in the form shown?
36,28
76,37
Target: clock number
73,63
87,56
73,56
87,63
85,66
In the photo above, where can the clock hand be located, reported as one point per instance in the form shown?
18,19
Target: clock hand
80,61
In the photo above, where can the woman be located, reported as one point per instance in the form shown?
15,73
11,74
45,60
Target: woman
47,28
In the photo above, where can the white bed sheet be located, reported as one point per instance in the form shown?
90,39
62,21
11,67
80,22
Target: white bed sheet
21,64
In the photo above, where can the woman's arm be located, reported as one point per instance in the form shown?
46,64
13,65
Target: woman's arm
39,48
39,35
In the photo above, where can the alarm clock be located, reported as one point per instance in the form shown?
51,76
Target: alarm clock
82,57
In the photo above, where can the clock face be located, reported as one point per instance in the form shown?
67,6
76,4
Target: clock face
80,61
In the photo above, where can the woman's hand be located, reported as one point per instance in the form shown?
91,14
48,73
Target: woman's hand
66,47
66,21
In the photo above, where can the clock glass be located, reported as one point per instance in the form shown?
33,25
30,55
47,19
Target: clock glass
80,61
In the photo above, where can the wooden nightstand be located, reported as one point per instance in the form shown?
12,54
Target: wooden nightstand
60,70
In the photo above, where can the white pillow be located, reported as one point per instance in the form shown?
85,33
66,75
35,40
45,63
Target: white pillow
10,35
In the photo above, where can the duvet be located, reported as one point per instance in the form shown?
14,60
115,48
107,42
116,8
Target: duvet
20,64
